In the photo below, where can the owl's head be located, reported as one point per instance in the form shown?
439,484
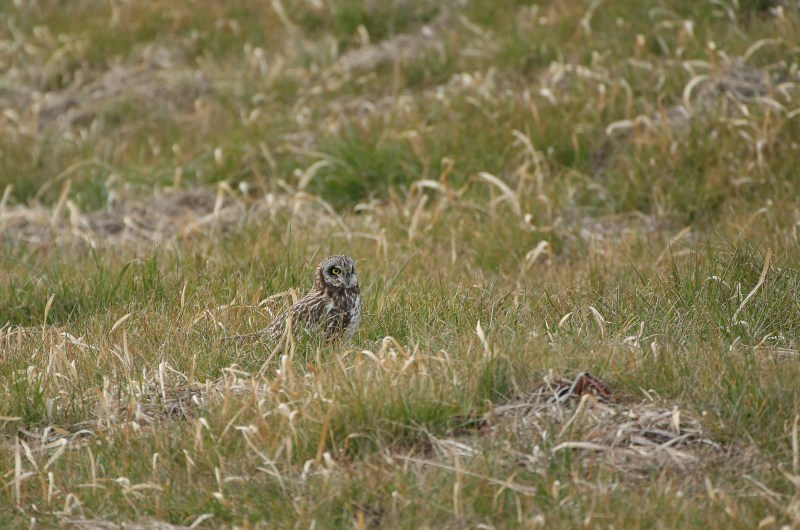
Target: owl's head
338,272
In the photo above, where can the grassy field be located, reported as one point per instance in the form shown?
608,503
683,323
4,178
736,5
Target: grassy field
533,191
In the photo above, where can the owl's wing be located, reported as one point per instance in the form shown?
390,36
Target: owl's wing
310,309
275,329
307,311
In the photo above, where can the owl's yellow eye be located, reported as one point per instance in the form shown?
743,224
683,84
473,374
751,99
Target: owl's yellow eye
336,271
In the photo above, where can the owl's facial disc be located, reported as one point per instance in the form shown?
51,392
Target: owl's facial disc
343,275
339,271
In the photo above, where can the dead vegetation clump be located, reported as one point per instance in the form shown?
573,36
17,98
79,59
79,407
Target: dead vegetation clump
403,48
731,89
146,83
167,216
586,416
606,235
157,76
69,522
170,215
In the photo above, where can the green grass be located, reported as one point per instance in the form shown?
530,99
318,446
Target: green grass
666,263
381,20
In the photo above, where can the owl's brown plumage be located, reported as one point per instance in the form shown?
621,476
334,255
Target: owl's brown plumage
332,308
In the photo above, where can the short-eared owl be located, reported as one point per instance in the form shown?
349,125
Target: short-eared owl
332,308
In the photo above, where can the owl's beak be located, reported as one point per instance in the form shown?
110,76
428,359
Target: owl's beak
351,280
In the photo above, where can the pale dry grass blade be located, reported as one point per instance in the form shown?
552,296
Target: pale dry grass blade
757,286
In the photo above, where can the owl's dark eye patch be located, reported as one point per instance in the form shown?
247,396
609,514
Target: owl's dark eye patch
336,271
